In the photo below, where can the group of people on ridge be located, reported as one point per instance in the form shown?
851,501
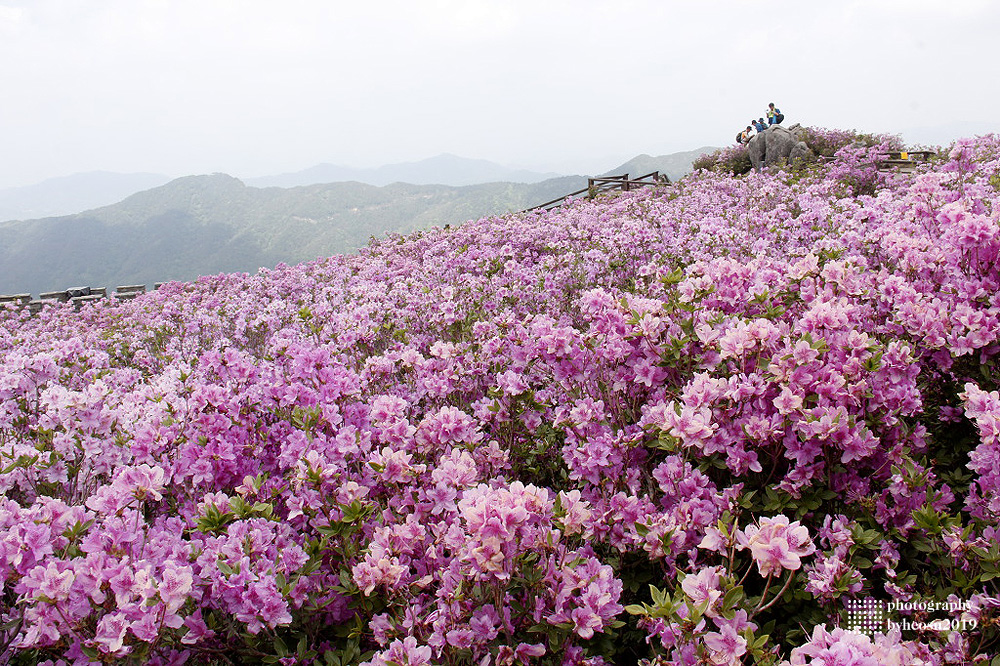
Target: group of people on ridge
774,117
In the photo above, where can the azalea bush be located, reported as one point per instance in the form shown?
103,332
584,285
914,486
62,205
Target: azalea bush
733,160
696,424
825,142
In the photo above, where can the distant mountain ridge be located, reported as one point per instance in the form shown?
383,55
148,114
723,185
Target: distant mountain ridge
445,169
67,195
198,225
71,194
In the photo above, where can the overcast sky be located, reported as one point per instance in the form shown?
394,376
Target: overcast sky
254,87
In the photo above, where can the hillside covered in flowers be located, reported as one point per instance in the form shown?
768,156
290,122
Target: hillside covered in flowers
694,424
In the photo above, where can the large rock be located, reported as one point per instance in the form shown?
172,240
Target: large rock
777,143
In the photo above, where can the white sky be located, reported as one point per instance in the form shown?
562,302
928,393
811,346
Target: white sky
254,87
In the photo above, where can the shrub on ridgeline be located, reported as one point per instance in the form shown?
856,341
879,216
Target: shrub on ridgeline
730,160
827,142
696,424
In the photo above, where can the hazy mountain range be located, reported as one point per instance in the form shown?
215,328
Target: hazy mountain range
200,225
71,194
444,169
67,195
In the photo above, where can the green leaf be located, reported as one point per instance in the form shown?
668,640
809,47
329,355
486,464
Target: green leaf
674,276
695,613
92,652
265,510
732,598
659,598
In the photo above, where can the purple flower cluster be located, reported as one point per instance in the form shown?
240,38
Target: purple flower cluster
640,427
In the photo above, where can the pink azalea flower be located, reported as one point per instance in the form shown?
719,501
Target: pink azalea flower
775,544
110,636
703,588
725,646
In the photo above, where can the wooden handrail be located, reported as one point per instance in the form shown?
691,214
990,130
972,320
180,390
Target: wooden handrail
555,201
912,155
601,184
905,160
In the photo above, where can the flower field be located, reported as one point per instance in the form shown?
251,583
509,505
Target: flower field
693,424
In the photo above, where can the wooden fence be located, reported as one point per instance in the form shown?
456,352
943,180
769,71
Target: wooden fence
905,160
596,186
78,296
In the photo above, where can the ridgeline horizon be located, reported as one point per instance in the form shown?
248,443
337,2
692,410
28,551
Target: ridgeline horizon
206,224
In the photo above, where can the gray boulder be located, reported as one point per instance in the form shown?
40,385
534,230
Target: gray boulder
777,143
800,151
756,149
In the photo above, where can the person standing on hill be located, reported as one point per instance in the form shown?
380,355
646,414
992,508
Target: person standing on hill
774,116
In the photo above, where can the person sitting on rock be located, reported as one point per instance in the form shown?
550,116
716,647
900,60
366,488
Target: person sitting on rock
774,116
759,124
748,134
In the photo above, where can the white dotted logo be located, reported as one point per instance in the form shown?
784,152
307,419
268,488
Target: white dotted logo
866,616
